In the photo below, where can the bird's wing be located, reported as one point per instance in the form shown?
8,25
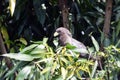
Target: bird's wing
77,44
80,47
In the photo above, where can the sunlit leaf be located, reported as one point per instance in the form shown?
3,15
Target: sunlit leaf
45,40
54,67
74,78
22,57
102,36
23,41
70,73
12,4
64,60
91,50
5,36
38,50
78,74
44,60
70,58
25,50
5,33
118,63
64,72
47,69
94,68
96,45
55,43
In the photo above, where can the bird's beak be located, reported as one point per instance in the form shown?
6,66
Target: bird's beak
56,34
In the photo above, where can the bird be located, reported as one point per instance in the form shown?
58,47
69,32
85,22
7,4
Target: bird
65,37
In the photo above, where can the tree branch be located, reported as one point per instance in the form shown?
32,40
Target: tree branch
3,51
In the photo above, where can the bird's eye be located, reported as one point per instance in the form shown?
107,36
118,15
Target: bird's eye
59,31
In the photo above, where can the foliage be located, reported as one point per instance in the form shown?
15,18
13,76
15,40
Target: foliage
39,62
35,19
22,22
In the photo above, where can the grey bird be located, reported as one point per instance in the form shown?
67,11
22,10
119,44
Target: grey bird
64,37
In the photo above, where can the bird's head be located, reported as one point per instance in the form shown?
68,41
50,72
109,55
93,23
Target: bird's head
62,31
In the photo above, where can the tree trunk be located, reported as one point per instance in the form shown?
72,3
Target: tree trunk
3,51
64,9
108,12
106,28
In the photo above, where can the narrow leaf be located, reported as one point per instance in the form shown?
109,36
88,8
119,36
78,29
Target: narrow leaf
29,48
45,70
16,67
12,6
64,72
45,40
5,33
22,57
23,41
24,73
94,68
118,29
96,45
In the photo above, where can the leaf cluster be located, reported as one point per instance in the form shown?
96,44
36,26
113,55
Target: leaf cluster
39,62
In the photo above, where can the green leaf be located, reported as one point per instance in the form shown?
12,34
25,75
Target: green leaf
16,67
69,46
102,36
55,42
118,43
64,60
5,36
64,73
23,41
27,49
118,29
22,57
38,50
71,73
54,67
12,4
78,74
4,33
118,63
45,70
45,40
94,68
44,60
24,73
96,45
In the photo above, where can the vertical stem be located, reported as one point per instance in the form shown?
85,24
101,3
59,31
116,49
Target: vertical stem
108,13
106,28
3,51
